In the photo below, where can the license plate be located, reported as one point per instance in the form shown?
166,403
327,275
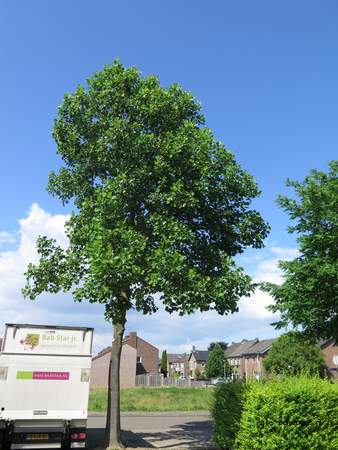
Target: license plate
37,437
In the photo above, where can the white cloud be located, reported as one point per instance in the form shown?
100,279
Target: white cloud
163,330
284,253
6,238
47,308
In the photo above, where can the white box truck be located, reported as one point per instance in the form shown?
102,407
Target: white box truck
44,386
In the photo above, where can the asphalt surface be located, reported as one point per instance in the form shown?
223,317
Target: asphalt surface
156,430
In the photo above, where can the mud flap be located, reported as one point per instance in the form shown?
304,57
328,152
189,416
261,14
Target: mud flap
65,445
6,432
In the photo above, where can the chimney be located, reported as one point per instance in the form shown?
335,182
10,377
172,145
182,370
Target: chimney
193,348
133,339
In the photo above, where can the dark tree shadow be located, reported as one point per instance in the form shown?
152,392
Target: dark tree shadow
190,435
96,439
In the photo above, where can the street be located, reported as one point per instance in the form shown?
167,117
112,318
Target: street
156,430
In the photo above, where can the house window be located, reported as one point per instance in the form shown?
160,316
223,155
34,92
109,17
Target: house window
139,359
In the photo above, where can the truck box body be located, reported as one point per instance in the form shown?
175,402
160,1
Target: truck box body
44,385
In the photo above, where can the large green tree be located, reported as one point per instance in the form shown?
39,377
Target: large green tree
160,206
217,364
308,296
292,354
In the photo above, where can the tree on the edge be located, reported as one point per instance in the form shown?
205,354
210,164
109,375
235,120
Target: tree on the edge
164,363
160,206
217,364
308,296
292,354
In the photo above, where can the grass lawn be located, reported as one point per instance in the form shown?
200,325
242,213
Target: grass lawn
155,399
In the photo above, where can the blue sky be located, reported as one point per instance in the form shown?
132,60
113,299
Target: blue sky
265,72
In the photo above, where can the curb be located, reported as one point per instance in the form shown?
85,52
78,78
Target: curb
205,447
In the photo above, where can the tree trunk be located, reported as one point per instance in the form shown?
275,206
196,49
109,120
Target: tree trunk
113,427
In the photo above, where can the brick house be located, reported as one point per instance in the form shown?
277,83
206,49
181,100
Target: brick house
234,354
246,357
178,364
100,367
138,357
197,361
330,352
253,359
147,354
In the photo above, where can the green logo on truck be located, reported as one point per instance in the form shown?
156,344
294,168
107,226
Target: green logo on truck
30,341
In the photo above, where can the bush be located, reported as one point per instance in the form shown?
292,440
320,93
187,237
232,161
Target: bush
226,412
290,413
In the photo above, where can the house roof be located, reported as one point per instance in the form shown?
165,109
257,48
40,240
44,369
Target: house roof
0,343
200,355
176,358
126,341
260,347
324,342
102,353
129,340
237,350
231,348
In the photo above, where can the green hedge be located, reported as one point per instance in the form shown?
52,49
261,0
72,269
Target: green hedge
226,412
291,413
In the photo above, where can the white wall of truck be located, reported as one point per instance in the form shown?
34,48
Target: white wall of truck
44,384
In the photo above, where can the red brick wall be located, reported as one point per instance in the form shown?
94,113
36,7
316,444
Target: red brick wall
100,368
148,354
330,350
252,365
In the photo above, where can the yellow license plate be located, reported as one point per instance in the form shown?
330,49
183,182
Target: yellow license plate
37,437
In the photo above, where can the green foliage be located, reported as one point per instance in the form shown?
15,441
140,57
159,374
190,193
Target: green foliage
308,294
226,412
160,205
223,344
292,413
164,363
198,374
217,365
175,375
292,354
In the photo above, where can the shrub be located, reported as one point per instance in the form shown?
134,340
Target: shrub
290,413
226,412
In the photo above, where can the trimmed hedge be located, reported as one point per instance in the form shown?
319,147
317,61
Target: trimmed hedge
290,413
296,413
226,412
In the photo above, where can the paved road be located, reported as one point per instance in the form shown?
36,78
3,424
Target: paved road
156,430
